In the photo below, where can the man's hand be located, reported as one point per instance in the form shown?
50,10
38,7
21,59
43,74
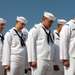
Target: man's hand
7,67
56,67
33,64
66,63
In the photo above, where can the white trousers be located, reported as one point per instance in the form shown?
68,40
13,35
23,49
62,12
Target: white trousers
1,69
61,69
71,69
44,67
16,68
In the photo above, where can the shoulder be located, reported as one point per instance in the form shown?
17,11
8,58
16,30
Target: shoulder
35,29
24,31
9,32
70,23
55,31
67,25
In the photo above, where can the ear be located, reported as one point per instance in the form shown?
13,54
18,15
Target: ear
74,19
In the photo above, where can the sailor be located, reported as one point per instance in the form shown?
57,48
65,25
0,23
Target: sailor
67,47
58,66
28,68
14,49
40,46
2,25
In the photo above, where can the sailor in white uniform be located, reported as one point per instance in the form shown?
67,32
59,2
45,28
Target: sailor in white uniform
67,47
2,24
28,68
40,46
58,65
14,49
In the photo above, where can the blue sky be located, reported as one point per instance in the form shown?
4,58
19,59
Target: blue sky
33,11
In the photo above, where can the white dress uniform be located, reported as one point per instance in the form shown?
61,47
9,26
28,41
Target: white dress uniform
40,51
67,46
25,32
1,51
57,54
14,55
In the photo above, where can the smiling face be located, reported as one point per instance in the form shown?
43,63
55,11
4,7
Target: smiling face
47,22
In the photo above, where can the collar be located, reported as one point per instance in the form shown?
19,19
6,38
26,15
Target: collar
47,30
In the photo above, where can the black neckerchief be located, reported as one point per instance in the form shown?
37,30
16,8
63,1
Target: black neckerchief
57,34
2,38
21,39
48,35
